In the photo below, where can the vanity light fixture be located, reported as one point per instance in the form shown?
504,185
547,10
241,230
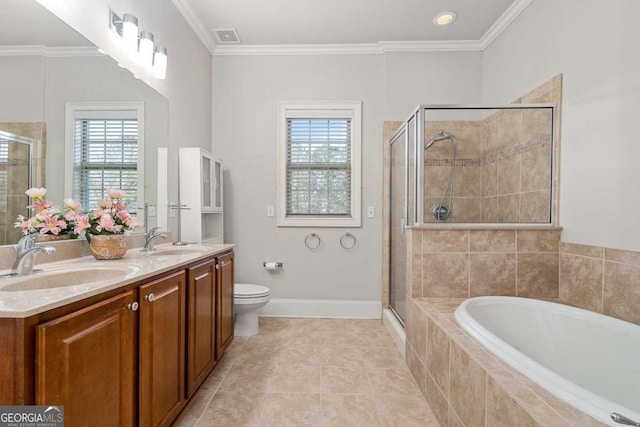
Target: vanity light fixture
130,32
146,48
127,28
142,47
160,63
445,18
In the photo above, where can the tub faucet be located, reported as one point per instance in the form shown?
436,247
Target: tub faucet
26,253
150,237
621,419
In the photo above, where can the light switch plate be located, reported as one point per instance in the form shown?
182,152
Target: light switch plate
151,211
371,211
270,210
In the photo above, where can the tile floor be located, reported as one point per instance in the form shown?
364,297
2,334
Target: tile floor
311,372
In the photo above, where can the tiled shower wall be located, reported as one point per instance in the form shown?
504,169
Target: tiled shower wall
516,166
503,166
17,170
473,262
467,202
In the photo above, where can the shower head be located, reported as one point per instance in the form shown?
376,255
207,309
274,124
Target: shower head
442,135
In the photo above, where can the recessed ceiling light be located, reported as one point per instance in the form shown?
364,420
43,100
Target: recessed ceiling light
445,18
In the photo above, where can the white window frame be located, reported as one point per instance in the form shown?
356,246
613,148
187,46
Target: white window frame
74,110
336,109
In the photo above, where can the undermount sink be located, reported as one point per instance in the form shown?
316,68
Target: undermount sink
61,279
167,252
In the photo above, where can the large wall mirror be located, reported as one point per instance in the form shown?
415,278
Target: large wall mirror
47,70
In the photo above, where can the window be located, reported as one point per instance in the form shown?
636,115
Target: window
319,164
105,150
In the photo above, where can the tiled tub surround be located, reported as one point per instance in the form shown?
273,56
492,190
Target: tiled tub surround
467,386
600,279
468,262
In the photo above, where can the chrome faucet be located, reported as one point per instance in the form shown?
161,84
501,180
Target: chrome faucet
150,237
27,251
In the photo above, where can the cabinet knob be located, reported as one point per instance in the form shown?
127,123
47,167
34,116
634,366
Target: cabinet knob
222,263
149,297
133,306
217,266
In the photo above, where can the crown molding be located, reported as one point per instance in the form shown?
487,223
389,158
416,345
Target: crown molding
503,22
50,52
348,49
196,24
298,49
430,46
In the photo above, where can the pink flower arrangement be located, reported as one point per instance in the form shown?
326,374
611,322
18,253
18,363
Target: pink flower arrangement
111,217
45,218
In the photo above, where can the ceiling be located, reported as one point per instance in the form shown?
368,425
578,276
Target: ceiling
27,23
313,22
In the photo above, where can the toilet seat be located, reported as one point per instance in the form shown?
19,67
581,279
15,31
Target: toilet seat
245,291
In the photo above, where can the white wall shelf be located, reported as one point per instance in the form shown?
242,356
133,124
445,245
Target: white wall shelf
201,192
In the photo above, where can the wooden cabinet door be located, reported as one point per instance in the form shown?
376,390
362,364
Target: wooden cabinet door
201,321
86,361
224,278
162,345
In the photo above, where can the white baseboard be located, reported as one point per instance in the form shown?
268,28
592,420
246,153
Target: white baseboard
339,309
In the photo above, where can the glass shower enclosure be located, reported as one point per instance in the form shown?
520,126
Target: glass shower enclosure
467,164
16,160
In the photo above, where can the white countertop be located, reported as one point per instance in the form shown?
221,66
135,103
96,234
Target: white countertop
135,266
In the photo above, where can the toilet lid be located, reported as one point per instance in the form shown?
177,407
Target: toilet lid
243,290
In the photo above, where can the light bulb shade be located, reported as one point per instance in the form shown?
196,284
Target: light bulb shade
146,48
445,18
160,63
130,32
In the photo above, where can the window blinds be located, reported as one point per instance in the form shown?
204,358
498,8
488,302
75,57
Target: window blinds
318,166
105,156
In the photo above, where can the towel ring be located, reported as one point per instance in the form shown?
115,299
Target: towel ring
345,237
309,239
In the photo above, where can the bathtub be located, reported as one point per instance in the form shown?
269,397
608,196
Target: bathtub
589,360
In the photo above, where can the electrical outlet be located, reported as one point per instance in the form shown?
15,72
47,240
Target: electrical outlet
371,211
270,210
151,211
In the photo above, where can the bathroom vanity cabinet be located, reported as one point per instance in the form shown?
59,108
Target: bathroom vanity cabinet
225,280
130,356
201,333
89,356
210,296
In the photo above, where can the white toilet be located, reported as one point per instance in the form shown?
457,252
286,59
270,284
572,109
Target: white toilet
247,299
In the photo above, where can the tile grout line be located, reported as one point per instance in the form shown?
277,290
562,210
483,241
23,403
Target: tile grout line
215,391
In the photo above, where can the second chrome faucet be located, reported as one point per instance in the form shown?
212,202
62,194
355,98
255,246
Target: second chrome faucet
150,237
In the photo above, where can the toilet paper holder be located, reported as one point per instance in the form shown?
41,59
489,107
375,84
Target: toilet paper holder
272,264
